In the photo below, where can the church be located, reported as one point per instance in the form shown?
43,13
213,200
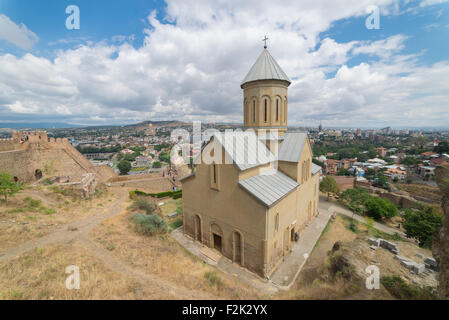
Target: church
260,190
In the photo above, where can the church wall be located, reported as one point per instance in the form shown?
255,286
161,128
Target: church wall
231,208
293,211
271,90
290,169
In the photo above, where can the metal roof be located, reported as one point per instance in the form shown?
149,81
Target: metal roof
270,186
245,149
291,148
265,68
315,168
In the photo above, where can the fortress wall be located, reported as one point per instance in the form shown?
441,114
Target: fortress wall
8,144
54,157
18,163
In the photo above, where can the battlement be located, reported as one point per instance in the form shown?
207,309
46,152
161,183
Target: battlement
21,139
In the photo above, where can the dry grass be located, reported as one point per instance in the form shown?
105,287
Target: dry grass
20,223
316,282
421,190
164,257
40,274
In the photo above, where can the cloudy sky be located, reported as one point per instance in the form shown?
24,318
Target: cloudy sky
134,60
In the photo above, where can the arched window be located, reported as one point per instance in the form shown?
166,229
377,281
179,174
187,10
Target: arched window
254,110
285,109
277,109
266,111
246,112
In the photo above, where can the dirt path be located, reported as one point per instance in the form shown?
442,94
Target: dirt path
66,233
79,231
335,207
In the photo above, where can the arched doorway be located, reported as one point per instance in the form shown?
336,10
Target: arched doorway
38,174
237,240
198,233
217,237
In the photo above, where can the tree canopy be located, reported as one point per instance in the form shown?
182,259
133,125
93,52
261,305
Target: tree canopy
420,225
124,166
329,185
8,186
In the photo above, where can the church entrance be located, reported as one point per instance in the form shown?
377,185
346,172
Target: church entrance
217,242
217,236
198,232
238,256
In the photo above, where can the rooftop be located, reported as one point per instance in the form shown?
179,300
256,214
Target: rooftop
265,68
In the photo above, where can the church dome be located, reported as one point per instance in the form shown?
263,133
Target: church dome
265,68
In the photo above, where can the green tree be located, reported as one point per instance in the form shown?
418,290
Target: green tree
421,225
362,157
8,186
329,185
442,147
343,172
124,166
379,208
157,164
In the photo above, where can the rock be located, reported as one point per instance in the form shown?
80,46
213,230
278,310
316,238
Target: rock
336,246
389,246
418,268
419,255
431,264
374,242
373,247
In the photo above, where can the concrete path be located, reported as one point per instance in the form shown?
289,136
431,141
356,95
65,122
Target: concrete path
288,271
335,207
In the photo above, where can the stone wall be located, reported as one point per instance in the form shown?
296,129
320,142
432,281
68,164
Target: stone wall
52,157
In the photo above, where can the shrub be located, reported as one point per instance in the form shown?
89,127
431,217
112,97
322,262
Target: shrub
142,204
329,185
213,278
421,225
399,289
379,208
48,181
149,224
176,224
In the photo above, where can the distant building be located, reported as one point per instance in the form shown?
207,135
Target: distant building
382,151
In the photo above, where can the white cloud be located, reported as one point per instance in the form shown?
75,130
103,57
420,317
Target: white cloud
18,35
426,3
193,69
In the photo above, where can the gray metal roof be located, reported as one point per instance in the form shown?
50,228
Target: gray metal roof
265,68
270,186
245,149
291,148
315,168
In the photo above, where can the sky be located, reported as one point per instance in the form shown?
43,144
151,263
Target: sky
138,60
